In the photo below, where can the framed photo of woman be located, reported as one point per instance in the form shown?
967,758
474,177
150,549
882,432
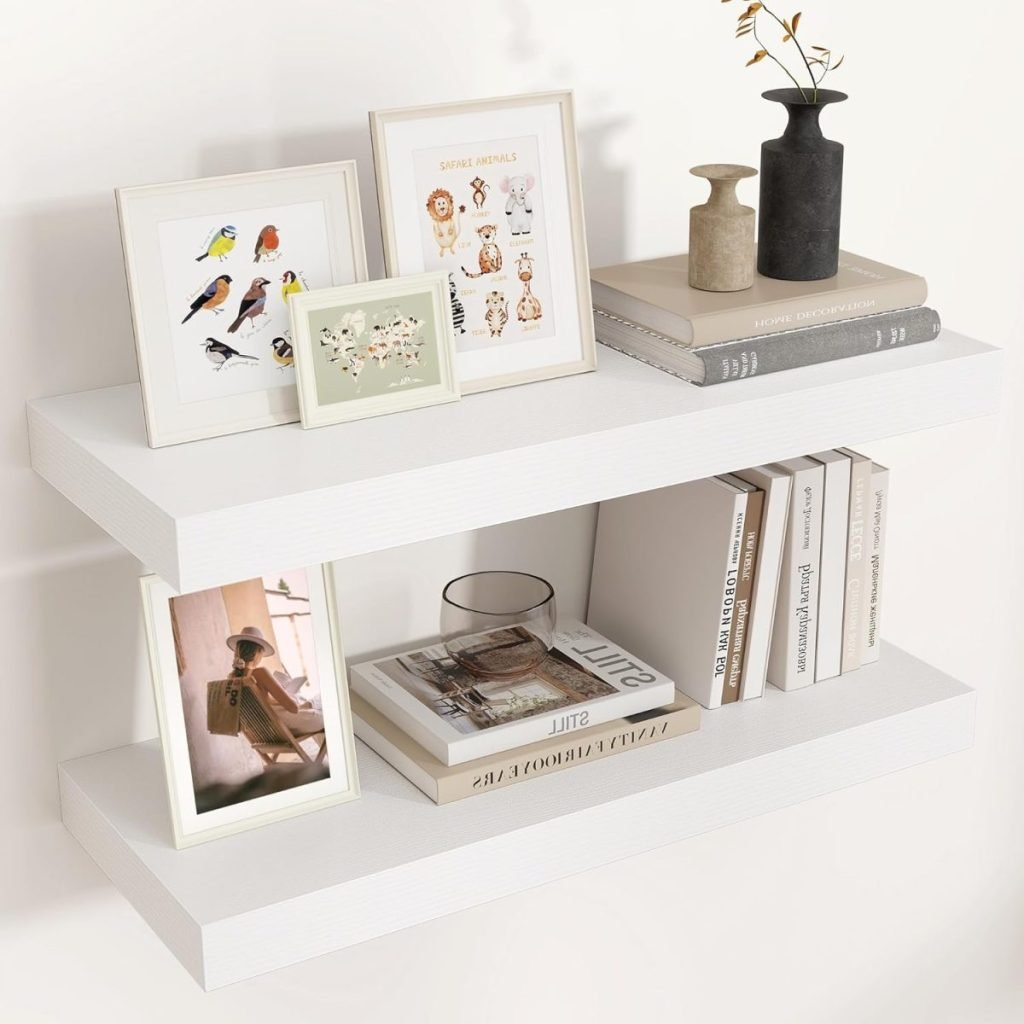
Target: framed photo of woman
251,701
489,192
211,265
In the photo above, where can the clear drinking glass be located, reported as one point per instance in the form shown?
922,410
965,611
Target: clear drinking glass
498,625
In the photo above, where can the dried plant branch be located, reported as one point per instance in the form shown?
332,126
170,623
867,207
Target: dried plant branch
747,25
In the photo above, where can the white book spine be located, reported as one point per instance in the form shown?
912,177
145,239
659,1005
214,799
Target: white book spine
878,501
794,639
832,589
728,603
853,613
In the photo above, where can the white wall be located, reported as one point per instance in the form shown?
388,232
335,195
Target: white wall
900,900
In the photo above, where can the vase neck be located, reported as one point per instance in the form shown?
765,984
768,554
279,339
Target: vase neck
723,194
804,121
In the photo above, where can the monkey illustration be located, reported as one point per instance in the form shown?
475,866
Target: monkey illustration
490,255
480,189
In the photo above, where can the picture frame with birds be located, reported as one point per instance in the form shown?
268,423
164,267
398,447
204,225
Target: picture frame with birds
212,266
374,348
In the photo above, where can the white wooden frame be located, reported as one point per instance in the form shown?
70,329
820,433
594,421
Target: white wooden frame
191,828
142,209
314,414
391,157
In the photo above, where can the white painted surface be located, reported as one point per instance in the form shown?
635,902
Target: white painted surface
345,489
898,901
393,858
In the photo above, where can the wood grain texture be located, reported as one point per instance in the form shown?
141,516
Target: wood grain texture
393,859
186,513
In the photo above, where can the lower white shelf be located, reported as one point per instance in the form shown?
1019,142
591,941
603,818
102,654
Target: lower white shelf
264,899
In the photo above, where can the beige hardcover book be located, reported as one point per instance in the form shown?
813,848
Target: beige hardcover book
856,561
874,547
444,785
744,588
794,639
655,294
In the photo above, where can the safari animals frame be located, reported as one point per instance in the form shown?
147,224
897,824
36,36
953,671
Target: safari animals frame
489,192
374,348
211,267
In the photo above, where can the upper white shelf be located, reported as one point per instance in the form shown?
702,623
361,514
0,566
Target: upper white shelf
234,507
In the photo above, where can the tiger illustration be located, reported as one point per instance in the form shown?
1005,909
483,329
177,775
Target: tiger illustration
497,313
490,254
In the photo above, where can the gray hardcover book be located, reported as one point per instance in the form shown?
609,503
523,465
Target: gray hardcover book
754,357
734,360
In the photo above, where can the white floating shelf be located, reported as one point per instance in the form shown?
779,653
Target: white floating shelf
235,507
264,899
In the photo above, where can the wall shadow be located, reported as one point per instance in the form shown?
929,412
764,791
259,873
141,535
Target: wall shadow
348,142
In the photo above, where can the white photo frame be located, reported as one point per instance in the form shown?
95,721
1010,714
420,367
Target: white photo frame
444,175
374,348
205,368
189,637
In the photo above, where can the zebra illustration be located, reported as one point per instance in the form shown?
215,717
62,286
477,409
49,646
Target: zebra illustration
458,309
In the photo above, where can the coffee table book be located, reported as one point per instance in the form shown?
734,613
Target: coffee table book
458,717
444,784
656,294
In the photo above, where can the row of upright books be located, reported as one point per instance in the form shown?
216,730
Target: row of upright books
700,594
770,574
648,310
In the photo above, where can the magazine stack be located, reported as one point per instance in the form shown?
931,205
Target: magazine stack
454,733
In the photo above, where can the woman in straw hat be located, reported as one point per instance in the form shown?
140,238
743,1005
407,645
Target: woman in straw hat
251,647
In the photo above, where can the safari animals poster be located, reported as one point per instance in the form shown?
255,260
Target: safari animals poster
227,278
482,221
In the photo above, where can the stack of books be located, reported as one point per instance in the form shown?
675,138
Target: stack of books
648,310
768,574
454,734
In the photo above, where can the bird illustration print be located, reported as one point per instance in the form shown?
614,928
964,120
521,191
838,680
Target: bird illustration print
284,354
252,304
220,354
221,244
291,285
266,244
212,297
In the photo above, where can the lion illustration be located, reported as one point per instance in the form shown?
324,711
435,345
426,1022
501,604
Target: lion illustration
445,216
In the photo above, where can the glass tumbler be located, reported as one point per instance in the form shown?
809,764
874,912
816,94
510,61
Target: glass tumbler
498,624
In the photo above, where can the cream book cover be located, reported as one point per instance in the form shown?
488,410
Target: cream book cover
656,294
856,561
878,501
444,784
832,589
660,586
794,640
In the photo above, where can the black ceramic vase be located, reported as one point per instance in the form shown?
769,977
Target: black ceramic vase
801,192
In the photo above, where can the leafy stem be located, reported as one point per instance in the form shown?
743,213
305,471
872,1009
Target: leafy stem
822,60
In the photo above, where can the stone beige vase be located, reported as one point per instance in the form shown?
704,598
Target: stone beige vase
722,253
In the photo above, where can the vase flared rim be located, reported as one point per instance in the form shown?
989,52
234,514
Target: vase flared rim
794,97
723,172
